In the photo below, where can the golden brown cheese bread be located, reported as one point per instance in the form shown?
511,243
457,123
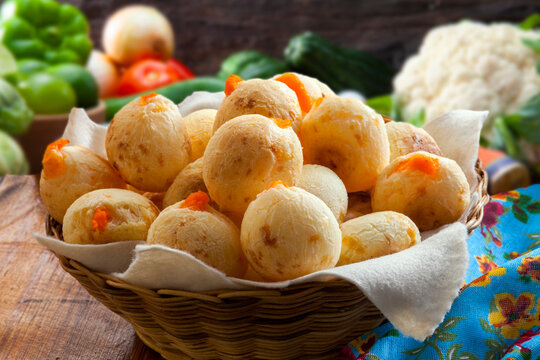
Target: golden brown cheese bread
108,215
348,137
245,156
188,181
405,138
430,189
287,233
327,186
193,226
70,172
199,127
377,234
147,141
270,98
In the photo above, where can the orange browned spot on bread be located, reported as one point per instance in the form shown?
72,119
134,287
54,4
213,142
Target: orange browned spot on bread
232,83
149,98
146,99
53,159
294,83
100,219
196,201
282,123
314,238
277,183
420,162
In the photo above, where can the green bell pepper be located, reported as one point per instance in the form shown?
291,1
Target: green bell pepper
46,30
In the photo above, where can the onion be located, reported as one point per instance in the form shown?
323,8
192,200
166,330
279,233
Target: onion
105,73
136,32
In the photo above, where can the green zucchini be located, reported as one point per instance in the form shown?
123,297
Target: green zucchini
176,92
339,68
249,64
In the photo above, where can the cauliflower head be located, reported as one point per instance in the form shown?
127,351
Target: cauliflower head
469,65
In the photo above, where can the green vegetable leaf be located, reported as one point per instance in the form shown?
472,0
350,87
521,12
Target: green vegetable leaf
418,119
530,22
532,43
526,121
381,104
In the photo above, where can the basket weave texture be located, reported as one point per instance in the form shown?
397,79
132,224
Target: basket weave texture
307,321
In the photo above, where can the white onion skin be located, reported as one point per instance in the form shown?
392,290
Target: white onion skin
136,32
105,72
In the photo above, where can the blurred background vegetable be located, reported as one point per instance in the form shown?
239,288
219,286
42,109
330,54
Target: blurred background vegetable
105,72
15,116
249,64
12,159
136,32
45,29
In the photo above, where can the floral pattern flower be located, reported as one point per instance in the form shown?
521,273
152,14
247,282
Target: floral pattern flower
530,267
492,211
364,345
485,264
511,314
485,279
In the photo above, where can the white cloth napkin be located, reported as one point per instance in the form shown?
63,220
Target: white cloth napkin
413,289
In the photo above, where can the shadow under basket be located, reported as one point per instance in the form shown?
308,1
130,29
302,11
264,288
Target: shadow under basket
310,321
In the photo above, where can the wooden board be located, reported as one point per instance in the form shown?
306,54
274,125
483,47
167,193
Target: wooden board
207,31
44,312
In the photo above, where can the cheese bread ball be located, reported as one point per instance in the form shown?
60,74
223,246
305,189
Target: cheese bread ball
108,215
199,127
327,186
188,181
405,138
193,226
307,89
377,234
348,137
287,233
148,143
71,171
314,87
245,156
430,189
359,203
270,98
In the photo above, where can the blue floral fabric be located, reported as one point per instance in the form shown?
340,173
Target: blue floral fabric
497,314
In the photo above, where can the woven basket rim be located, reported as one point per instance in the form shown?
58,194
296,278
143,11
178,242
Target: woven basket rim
53,228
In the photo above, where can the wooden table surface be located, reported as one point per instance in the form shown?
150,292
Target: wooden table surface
44,312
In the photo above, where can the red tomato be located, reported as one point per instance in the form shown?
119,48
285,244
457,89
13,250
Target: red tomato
181,69
146,75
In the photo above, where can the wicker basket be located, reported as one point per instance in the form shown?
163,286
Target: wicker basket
312,320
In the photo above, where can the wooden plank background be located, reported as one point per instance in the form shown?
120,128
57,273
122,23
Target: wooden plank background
208,30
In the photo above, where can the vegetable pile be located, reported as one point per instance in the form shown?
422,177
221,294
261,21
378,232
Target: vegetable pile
51,44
